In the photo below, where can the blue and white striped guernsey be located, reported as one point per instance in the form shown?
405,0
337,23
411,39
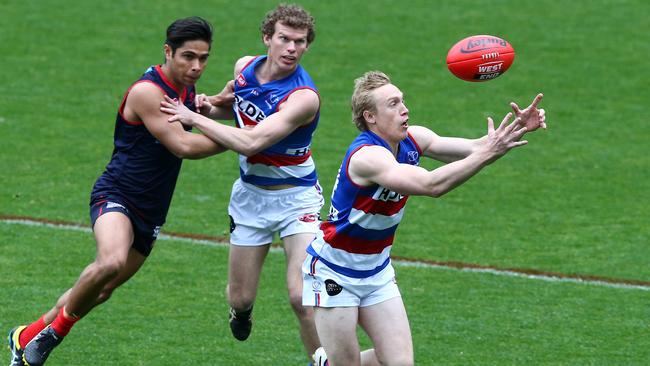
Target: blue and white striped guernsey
288,161
357,236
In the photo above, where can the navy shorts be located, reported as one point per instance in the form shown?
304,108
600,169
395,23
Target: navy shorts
144,233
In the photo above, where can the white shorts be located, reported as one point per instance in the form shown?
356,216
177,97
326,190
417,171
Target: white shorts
256,214
322,287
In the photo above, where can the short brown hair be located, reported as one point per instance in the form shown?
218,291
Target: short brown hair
292,16
362,99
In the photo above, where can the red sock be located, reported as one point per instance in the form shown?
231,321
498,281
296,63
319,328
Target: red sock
31,331
63,323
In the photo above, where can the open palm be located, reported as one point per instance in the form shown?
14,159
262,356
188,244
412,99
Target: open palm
531,117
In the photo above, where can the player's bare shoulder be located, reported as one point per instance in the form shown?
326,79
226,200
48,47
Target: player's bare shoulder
423,136
304,103
241,63
368,162
142,97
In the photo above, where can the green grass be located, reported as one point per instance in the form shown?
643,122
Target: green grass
174,310
573,201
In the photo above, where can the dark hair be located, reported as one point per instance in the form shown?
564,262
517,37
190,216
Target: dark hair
188,29
292,16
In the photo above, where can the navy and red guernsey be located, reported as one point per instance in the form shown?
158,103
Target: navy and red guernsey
357,236
142,171
288,161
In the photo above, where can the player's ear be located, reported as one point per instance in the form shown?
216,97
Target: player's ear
369,116
168,52
266,39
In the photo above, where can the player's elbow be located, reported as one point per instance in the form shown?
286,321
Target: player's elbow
435,193
182,151
435,190
250,148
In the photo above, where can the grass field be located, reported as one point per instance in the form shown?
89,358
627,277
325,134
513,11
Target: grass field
574,201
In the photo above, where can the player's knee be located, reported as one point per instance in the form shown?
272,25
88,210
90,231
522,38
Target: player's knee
109,268
105,294
300,310
396,359
347,356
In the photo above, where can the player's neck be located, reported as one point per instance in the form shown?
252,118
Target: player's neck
392,144
269,71
166,70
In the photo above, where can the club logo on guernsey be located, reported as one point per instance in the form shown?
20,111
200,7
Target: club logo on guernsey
385,194
271,99
413,156
241,81
250,110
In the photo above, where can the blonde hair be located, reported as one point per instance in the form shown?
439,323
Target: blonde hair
292,16
362,99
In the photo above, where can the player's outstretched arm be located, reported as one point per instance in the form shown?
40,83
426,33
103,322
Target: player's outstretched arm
449,149
374,164
299,109
142,104
442,148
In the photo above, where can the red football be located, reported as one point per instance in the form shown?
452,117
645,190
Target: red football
480,58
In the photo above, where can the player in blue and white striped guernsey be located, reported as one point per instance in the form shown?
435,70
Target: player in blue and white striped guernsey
348,277
277,108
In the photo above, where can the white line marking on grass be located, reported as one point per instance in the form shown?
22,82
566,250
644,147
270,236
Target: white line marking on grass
213,242
27,222
508,273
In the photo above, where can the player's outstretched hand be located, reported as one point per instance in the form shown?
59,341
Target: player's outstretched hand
502,139
180,113
531,117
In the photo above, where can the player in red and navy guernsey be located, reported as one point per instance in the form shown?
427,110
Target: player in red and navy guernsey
276,110
130,200
348,276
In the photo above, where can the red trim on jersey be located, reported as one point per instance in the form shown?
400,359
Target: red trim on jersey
372,206
278,160
182,95
291,92
248,63
244,118
347,166
353,245
415,143
120,110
